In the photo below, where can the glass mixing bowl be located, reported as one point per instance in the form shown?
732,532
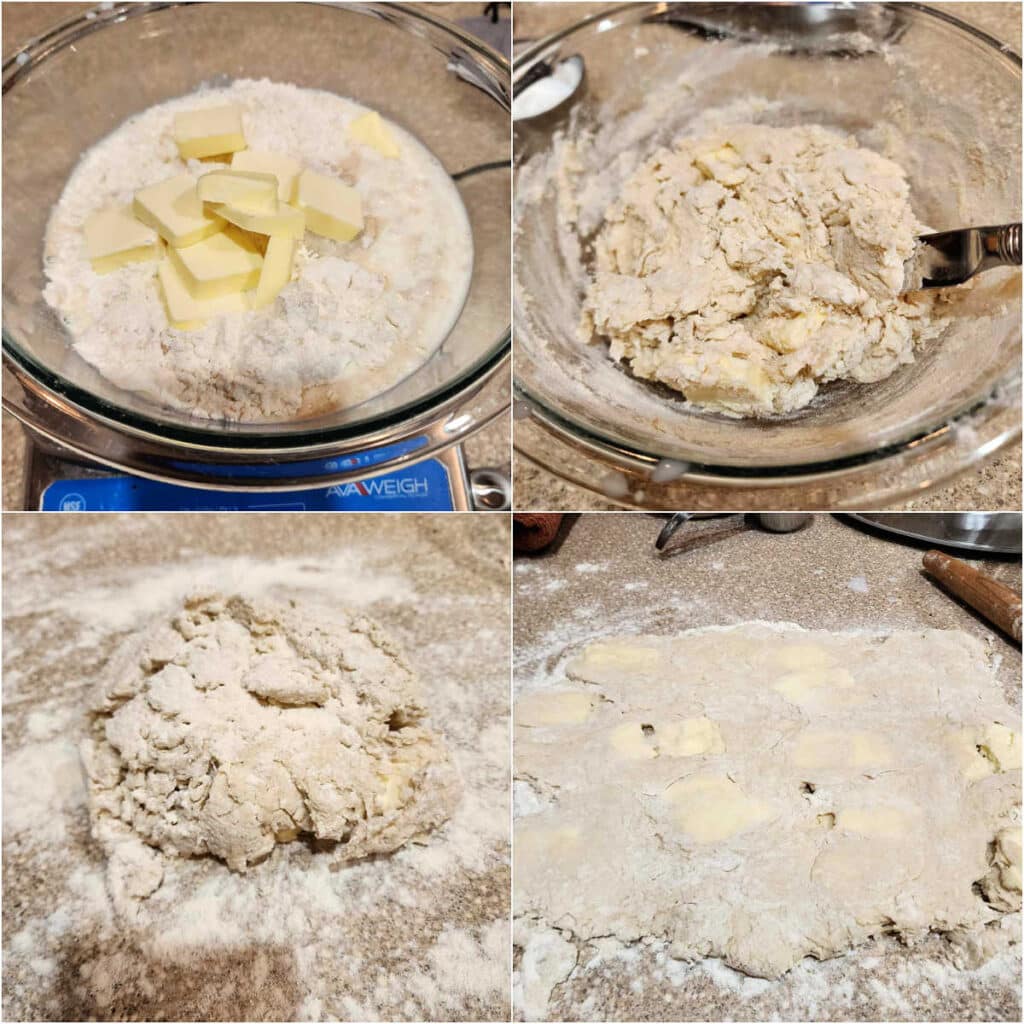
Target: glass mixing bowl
914,83
68,89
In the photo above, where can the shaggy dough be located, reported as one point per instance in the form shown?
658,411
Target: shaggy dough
747,267
236,725
758,821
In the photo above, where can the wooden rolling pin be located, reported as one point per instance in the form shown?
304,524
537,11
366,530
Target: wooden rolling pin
533,532
997,602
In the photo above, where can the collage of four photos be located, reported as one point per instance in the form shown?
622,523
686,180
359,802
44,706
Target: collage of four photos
511,511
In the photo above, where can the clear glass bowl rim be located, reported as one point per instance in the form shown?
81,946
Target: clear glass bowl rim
616,450
291,437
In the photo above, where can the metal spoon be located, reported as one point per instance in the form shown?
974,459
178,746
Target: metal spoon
952,257
773,522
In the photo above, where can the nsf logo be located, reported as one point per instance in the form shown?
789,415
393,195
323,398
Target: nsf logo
73,502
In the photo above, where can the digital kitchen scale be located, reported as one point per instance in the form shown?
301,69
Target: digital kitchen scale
58,481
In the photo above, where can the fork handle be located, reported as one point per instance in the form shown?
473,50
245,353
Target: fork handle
1000,246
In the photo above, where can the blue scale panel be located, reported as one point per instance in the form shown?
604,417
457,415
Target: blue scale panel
424,487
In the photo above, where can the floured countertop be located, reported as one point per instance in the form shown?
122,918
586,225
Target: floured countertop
421,934
606,579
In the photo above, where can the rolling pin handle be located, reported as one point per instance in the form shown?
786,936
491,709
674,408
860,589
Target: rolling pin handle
990,598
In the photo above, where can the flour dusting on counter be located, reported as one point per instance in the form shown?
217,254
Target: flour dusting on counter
296,937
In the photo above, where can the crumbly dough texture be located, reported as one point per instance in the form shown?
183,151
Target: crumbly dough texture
747,267
761,794
235,725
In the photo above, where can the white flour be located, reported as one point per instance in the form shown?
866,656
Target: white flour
359,317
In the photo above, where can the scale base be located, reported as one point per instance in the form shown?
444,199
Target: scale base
57,479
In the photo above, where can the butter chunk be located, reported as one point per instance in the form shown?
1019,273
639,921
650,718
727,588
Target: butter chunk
114,238
187,313
713,808
173,209
284,168
277,269
286,220
257,191
332,208
210,132
370,130
224,263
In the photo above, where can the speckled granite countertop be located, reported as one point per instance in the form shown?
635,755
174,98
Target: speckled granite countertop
995,485
831,575
489,447
421,934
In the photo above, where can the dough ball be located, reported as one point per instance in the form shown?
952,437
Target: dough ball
748,266
235,725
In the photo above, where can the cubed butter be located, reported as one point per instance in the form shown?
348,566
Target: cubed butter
210,132
370,130
224,263
332,208
113,238
257,191
277,269
286,220
173,209
186,313
284,168
788,333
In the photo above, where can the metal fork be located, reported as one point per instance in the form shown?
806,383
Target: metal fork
952,257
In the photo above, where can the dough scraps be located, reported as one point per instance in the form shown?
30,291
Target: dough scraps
747,267
763,793
235,725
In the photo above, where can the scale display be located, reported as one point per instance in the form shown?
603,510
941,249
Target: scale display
424,487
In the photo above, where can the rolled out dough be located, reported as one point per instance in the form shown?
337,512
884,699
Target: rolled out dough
762,793
234,725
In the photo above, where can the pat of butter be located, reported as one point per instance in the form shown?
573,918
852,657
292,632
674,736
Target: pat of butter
735,377
284,168
286,220
186,313
786,334
724,165
175,211
256,191
113,238
224,263
333,209
370,130
211,132
277,269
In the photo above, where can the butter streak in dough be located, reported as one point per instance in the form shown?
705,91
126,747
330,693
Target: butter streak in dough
747,267
707,802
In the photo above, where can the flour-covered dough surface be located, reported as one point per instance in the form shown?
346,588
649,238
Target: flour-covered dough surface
760,794
235,724
748,266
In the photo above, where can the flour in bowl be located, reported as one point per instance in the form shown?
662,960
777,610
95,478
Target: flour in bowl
357,317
